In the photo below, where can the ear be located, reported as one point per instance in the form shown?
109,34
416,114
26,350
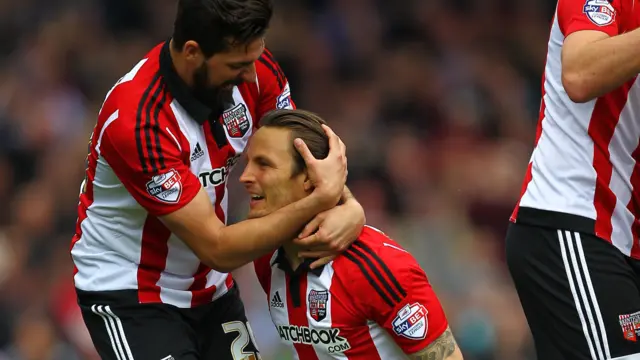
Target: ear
307,184
191,50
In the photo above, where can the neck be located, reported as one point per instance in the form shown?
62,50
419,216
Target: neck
291,251
180,65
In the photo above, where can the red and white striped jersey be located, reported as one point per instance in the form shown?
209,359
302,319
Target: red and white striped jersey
584,173
153,147
372,302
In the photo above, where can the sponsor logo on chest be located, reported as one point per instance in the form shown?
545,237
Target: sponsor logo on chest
219,175
328,340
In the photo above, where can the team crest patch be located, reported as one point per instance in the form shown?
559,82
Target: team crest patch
166,187
318,304
630,324
411,322
236,121
600,12
283,101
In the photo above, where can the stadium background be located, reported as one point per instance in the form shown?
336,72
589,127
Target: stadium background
436,101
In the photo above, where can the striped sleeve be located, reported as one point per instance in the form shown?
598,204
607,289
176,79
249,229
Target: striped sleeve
147,157
395,293
274,89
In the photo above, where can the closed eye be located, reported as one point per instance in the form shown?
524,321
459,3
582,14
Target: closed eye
239,66
263,162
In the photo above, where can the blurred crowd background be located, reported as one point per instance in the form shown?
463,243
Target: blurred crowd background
436,100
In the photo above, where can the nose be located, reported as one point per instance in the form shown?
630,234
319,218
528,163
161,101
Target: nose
246,178
249,75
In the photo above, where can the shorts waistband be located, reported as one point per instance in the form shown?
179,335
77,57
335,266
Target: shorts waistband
555,220
129,297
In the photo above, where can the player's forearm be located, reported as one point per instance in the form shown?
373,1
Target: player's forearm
346,195
243,242
354,206
593,69
443,348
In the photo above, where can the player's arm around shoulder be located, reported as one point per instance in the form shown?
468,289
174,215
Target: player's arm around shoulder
226,248
151,160
599,52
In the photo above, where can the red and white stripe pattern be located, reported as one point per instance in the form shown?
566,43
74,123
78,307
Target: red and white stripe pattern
585,160
348,310
142,132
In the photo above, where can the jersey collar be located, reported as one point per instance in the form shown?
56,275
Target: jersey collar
283,264
179,89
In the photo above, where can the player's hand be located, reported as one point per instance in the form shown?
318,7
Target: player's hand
331,232
322,261
328,175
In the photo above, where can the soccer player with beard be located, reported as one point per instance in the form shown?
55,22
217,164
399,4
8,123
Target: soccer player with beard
151,249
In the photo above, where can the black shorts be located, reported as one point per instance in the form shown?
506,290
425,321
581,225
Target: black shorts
580,294
218,330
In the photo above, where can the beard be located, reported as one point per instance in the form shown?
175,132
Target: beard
217,97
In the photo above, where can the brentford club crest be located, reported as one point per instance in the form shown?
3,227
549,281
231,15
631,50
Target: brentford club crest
236,121
318,304
630,324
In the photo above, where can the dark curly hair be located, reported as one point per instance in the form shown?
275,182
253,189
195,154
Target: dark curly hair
217,25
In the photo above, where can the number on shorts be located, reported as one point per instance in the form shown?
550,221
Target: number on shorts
245,335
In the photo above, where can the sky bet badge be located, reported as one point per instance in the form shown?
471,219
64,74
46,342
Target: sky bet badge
166,187
283,101
411,322
600,12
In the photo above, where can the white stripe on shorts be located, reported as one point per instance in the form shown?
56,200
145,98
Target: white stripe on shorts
115,330
584,295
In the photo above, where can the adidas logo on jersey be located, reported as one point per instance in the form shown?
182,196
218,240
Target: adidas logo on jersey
276,301
197,152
